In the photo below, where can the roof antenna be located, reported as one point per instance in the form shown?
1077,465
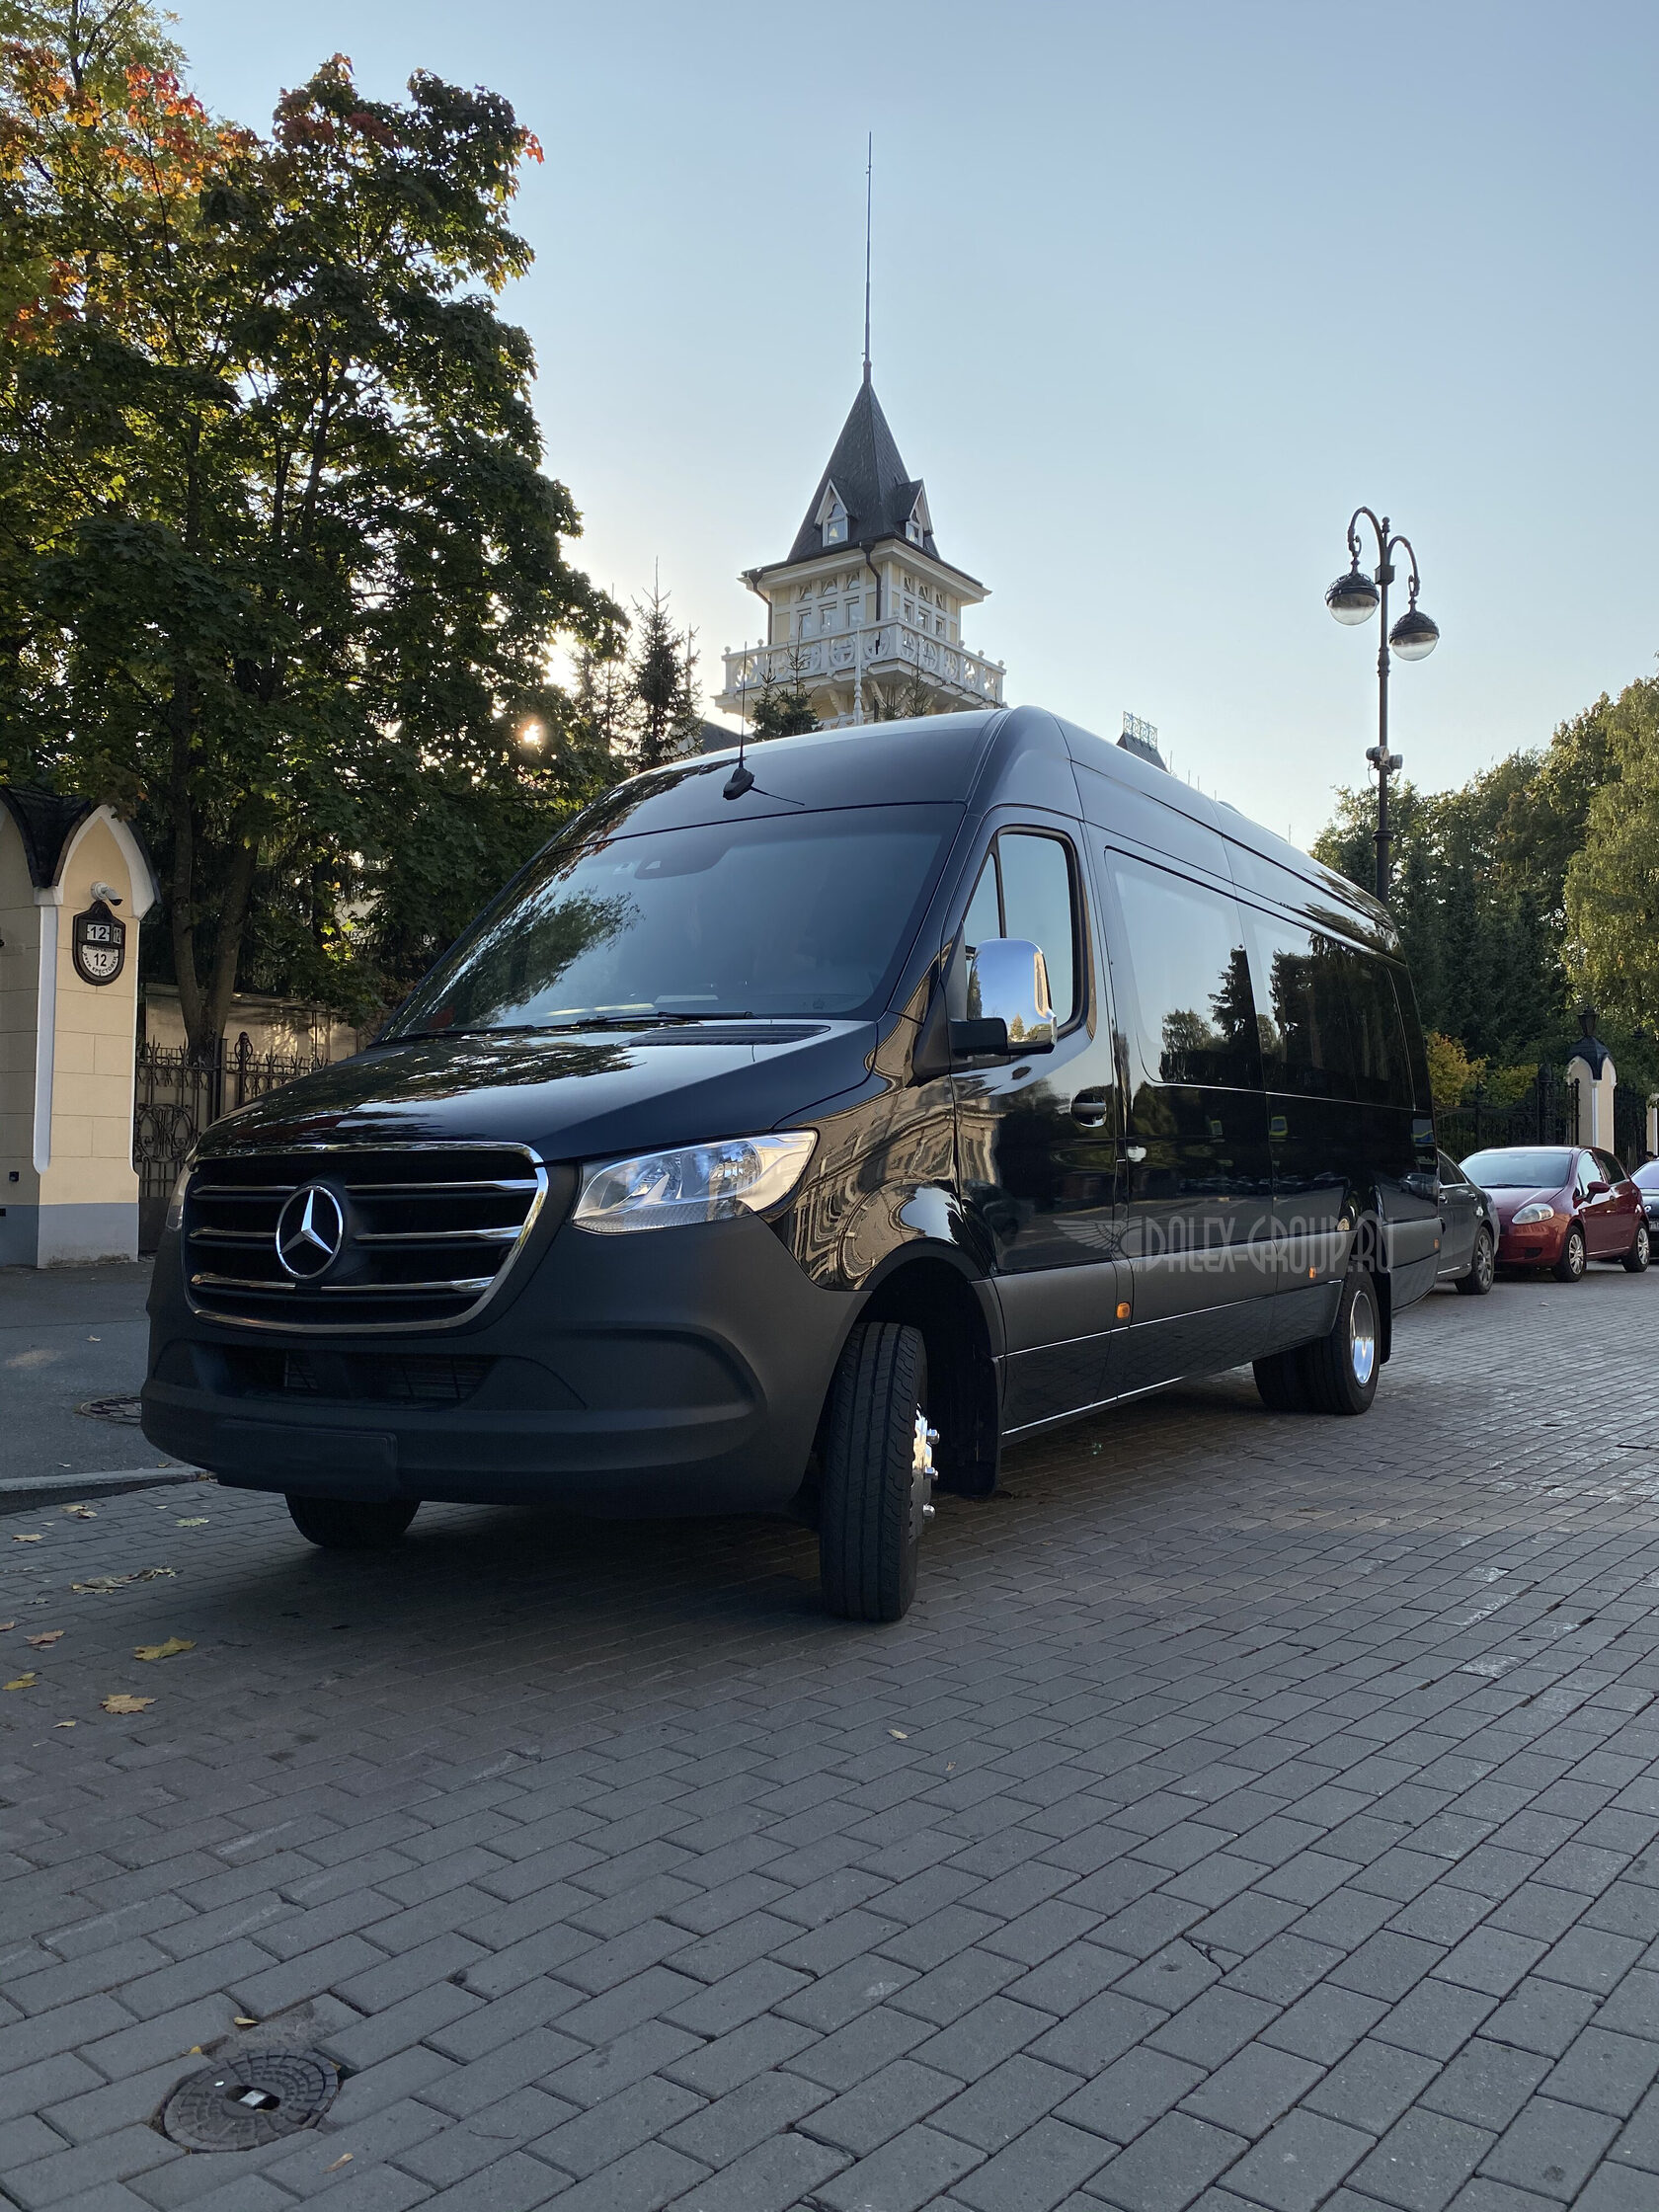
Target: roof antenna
742,779
869,163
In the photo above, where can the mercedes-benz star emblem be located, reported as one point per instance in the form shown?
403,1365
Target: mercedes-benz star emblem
310,1231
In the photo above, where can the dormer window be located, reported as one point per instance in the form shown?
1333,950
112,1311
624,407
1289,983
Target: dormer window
832,517
918,521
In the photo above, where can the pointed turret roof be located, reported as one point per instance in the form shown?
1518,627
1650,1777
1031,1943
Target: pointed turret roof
871,481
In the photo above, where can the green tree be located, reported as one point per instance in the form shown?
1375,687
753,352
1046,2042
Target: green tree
904,700
1611,881
664,707
279,565
1523,891
785,710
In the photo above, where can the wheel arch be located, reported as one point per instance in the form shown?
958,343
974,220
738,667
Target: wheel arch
934,1292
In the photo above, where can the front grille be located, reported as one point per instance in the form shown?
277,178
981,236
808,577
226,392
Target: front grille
430,1232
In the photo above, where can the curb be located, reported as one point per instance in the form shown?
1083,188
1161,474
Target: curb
25,1493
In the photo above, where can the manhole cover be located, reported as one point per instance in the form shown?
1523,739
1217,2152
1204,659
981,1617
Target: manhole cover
128,1412
250,2100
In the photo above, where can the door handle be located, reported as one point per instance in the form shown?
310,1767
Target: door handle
1087,1111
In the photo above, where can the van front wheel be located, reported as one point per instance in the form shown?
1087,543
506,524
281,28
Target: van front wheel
877,1472
1340,1370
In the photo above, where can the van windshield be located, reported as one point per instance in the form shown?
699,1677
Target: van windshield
804,914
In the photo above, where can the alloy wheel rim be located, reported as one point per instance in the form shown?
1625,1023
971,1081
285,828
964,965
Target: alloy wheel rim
1361,1339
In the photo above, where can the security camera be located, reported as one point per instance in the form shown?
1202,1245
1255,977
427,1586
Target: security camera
108,893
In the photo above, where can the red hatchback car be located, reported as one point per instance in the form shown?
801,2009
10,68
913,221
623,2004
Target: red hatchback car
1562,1206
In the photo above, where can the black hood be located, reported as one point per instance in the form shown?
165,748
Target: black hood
572,1096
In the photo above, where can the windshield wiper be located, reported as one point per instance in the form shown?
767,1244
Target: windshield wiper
564,1028
636,1021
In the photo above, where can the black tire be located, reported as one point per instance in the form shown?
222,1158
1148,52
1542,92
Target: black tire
1340,1372
1279,1380
873,1491
351,1524
1483,1267
1640,1252
1569,1268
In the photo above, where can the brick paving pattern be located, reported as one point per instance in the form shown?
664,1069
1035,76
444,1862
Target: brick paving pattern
1254,1812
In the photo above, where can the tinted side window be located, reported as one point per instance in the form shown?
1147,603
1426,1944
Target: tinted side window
984,917
1416,1054
1037,903
1191,973
1611,1172
1584,1175
1026,889
1330,1027
1382,1073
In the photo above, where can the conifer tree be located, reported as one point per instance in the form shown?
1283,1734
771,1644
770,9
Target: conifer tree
785,710
664,708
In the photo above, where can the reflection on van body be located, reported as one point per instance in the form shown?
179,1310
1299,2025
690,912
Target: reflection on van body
701,1174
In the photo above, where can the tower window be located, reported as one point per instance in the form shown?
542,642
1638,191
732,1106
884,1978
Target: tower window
832,517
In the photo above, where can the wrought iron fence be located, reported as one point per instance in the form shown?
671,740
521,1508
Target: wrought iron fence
178,1093
1629,1124
1545,1113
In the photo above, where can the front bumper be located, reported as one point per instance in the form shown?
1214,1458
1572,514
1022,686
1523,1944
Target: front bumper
677,1370
1537,1244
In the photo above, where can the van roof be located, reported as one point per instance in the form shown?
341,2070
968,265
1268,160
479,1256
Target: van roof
960,758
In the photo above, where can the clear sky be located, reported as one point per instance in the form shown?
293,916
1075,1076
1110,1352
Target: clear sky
1161,293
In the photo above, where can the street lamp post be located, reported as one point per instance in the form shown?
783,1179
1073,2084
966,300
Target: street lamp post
1355,597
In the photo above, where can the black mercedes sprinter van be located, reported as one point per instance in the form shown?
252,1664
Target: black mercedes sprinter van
788,1135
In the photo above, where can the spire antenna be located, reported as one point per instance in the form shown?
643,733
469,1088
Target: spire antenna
869,163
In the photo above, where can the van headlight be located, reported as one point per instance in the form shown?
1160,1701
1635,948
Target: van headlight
1537,1211
695,1183
174,1217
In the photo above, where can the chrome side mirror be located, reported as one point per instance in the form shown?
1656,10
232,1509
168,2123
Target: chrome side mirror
1009,1009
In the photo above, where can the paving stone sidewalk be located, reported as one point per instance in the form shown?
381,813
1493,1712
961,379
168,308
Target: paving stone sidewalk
1254,1812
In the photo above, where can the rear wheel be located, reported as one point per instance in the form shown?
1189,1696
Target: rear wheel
351,1524
878,1469
1640,1252
1483,1267
1340,1371
1279,1380
1569,1268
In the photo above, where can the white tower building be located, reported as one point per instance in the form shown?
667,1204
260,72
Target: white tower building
863,614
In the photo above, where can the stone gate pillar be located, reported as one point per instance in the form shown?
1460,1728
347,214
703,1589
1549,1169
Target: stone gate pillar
74,884
1590,1067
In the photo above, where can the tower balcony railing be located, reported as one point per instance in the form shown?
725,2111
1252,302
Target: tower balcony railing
884,651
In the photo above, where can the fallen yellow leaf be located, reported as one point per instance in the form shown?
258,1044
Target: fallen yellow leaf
82,1512
900,1733
45,1640
122,1703
23,1682
243,2020
64,1724
29,1539
99,1585
5,1624
344,2159
168,1650
196,1520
